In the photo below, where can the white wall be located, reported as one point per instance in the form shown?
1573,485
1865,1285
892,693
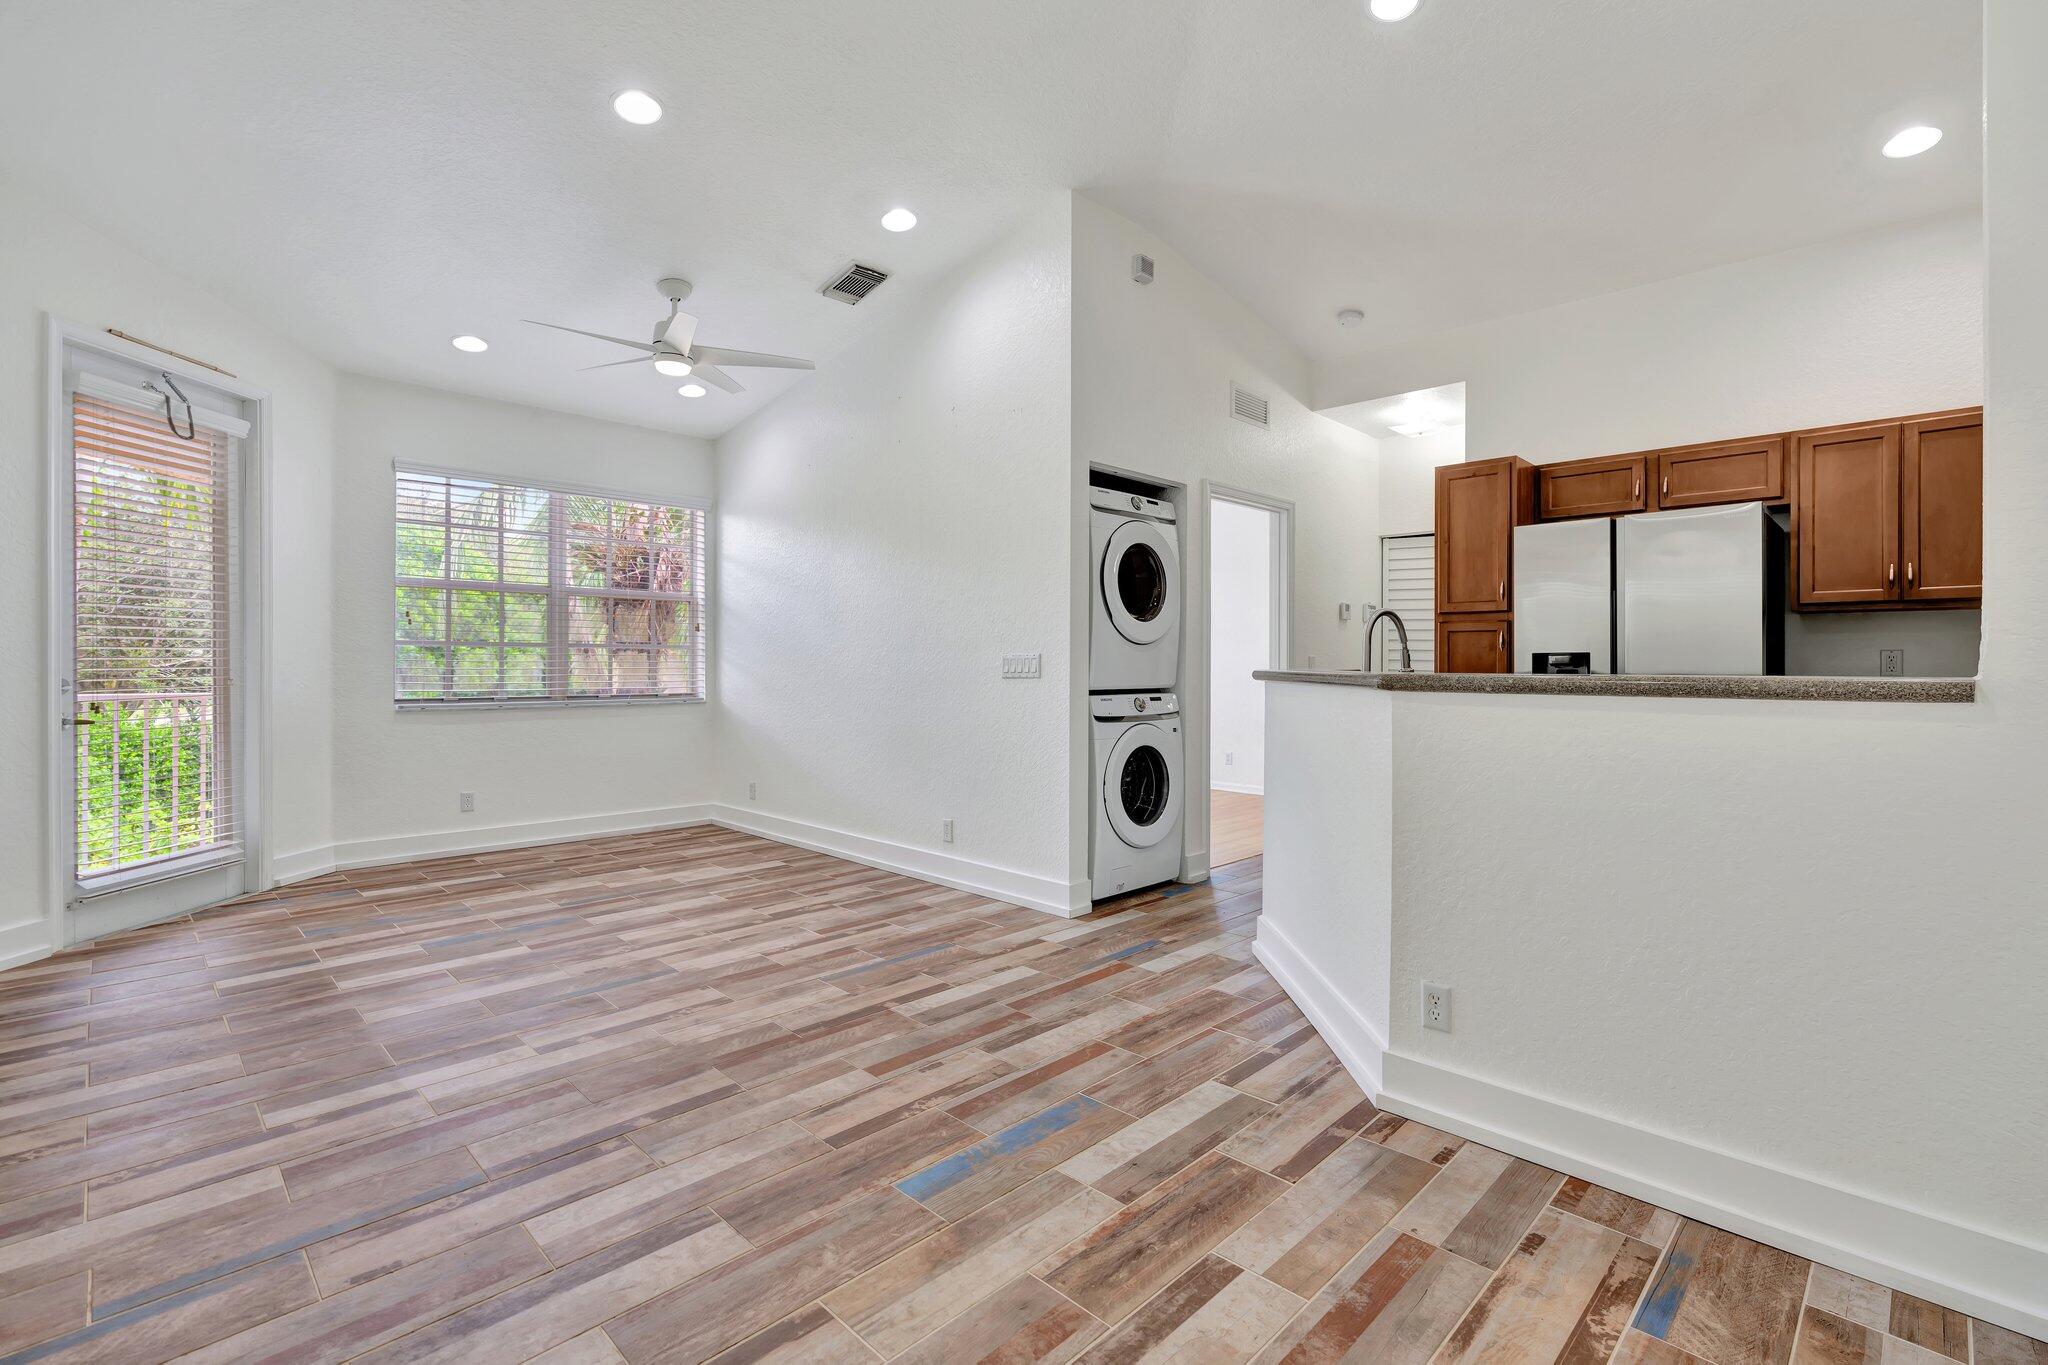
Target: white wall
1241,542
53,264
1153,365
537,773
1800,941
1871,326
1408,467
891,528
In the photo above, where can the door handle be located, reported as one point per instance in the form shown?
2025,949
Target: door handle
73,720
1664,489
1891,572
1503,593
1639,487
1909,573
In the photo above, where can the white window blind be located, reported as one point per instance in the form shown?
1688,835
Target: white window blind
528,593
154,575
1408,587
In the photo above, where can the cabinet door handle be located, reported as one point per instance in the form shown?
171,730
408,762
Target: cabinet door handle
1909,573
1503,593
1664,489
1639,487
1500,638
1891,572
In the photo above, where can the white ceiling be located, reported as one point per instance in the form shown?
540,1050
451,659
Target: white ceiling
377,176
1438,409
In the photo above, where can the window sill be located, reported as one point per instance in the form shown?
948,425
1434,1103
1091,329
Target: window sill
545,703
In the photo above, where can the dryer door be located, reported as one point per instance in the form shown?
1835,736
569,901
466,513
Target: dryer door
1141,784
1140,580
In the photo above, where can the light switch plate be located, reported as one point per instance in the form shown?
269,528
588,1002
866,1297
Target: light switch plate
1023,665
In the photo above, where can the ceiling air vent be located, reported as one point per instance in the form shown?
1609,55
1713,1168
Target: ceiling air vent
1247,406
855,283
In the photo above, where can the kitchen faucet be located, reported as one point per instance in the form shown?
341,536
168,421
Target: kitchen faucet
1400,629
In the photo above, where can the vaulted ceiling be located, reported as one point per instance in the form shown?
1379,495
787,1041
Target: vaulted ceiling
376,177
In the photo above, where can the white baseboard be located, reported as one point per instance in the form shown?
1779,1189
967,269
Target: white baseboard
24,942
1242,789
294,867
1350,1035
1965,1268
1066,899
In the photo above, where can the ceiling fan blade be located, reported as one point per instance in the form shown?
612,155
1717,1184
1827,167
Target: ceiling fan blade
617,341
718,355
679,330
717,378
636,360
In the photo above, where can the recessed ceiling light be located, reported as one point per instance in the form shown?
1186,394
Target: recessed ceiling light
636,106
469,343
1912,141
691,391
899,220
1350,317
1414,428
1393,11
674,369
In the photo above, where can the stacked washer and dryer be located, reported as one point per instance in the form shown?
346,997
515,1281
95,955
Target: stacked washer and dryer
1133,662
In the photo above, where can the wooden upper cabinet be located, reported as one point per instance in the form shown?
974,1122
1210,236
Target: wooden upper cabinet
1604,487
1941,508
1727,471
1847,515
1477,506
1474,644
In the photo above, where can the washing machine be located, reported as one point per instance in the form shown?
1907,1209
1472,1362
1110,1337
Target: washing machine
1137,792
1135,643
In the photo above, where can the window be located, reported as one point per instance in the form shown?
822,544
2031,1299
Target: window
524,593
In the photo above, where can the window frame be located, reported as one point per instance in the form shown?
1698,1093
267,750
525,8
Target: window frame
557,591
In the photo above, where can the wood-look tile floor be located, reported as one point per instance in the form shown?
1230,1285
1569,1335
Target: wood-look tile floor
1237,826
690,1095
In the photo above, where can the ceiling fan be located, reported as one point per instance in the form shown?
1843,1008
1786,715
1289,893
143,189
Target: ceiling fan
674,351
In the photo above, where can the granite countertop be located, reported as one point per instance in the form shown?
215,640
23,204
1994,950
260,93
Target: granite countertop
1626,685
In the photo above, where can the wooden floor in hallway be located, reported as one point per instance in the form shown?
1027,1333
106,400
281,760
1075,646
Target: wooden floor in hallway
691,1095
1237,826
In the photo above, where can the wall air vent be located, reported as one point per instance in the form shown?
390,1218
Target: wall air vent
1247,406
855,283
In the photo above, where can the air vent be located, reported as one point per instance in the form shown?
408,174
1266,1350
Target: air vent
855,283
1247,406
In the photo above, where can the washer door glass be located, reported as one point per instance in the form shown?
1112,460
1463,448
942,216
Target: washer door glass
1140,581
1140,787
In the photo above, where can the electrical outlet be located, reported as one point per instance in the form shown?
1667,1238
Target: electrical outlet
946,831
1891,663
1229,759
1311,661
750,791
1436,1007
468,800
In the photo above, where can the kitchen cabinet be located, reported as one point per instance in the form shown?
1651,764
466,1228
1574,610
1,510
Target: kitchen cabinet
1941,509
1478,505
1890,513
1721,472
1474,644
1608,486
1848,515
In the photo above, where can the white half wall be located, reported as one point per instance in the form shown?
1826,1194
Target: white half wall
889,529
397,774
1241,546
1153,367
54,265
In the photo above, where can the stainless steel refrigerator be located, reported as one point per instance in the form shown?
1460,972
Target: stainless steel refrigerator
1699,590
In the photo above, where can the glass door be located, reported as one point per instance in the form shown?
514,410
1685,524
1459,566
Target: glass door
155,643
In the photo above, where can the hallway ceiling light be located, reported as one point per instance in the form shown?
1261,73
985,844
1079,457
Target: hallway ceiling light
1911,141
465,342
899,220
691,391
636,106
1393,11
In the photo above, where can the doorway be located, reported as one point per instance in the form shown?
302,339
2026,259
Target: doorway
152,615
1248,587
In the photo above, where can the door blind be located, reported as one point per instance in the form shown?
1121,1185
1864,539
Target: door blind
154,575
1408,586
525,593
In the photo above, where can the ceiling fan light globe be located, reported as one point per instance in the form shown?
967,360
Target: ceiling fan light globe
673,368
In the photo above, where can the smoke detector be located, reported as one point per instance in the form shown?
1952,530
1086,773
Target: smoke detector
1350,317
